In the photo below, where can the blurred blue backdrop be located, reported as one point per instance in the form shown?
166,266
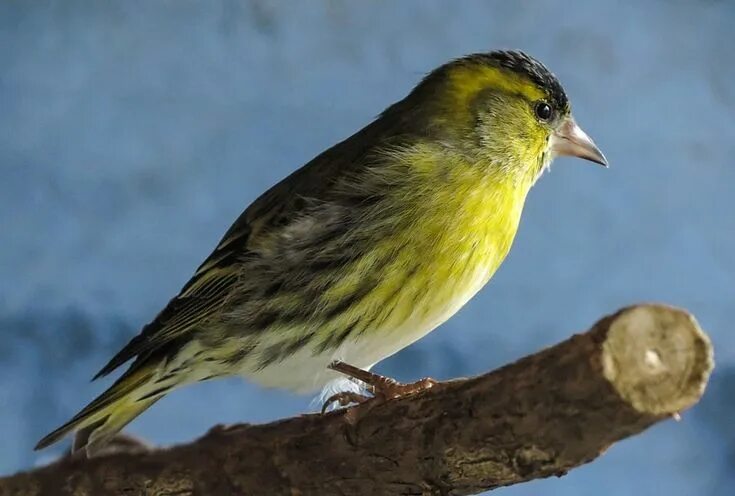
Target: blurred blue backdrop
133,132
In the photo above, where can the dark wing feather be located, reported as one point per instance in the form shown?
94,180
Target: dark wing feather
204,295
201,298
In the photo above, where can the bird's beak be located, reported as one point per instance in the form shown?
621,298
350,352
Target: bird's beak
569,139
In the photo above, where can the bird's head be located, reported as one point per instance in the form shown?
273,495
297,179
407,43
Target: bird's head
504,107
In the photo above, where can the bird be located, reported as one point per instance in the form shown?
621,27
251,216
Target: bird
362,251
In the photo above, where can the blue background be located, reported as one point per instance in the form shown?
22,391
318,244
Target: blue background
133,132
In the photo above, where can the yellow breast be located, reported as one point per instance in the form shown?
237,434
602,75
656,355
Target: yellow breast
459,242
459,223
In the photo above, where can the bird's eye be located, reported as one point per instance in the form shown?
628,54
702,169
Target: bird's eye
544,112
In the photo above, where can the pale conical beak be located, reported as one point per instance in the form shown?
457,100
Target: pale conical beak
569,139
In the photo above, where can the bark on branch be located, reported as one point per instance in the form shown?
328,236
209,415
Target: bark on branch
540,416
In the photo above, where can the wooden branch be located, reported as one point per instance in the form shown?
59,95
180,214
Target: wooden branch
538,417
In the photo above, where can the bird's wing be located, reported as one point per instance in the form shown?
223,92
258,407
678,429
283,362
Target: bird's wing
208,290
201,298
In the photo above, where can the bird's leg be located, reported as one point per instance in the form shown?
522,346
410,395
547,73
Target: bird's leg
383,388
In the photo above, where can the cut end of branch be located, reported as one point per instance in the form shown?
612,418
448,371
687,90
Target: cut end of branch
657,358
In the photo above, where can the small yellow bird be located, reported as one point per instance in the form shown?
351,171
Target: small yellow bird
362,251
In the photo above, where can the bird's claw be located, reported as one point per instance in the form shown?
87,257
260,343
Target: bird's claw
343,399
382,388
396,389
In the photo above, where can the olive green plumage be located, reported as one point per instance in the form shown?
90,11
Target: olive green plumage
365,249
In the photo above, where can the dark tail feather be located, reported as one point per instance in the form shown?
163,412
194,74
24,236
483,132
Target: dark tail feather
99,421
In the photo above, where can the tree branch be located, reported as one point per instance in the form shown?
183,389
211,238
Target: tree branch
540,416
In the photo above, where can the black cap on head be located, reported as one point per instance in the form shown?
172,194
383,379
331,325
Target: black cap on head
415,111
524,64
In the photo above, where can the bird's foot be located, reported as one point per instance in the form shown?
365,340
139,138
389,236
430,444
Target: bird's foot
382,388
343,399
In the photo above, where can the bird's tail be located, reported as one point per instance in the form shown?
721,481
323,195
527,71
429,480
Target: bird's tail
99,421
